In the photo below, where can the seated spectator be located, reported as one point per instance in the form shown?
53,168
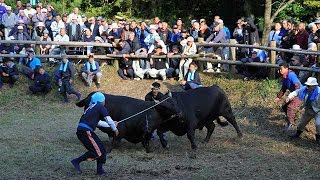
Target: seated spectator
21,36
29,11
141,66
238,32
150,38
126,69
57,25
91,72
125,32
189,49
44,49
192,78
164,33
6,48
30,67
8,72
42,82
15,29
158,65
195,31
173,70
175,36
157,42
252,72
38,32
38,16
142,34
25,52
114,33
21,17
8,21
274,35
56,49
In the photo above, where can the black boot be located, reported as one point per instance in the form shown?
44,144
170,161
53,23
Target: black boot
318,139
100,170
76,162
296,135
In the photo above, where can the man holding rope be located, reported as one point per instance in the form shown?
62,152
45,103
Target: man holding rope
85,133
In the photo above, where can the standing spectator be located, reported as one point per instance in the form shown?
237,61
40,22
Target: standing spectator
8,72
48,23
238,32
143,34
103,27
38,16
91,72
51,10
57,25
192,78
76,15
195,31
66,73
125,32
313,33
44,48
175,37
301,36
74,30
150,39
3,10
164,33
94,27
317,34
250,31
274,35
204,30
134,28
189,49
31,65
9,21
158,65
29,11
284,28
18,8
65,19
290,82
179,24
309,94
42,82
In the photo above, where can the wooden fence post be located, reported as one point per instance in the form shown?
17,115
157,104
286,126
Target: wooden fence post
318,62
116,64
233,55
272,59
200,50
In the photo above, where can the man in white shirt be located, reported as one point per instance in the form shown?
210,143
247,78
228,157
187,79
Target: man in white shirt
29,10
56,49
75,14
9,21
57,25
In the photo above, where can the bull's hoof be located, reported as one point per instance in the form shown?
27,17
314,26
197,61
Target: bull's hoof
240,135
205,141
192,154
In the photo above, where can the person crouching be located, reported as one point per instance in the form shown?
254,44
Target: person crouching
42,82
85,133
91,72
192,78
8,72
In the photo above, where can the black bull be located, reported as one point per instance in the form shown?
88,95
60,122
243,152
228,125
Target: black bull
200,107
138,128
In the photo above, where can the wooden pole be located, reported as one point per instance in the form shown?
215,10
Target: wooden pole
272,59
233,55
318,61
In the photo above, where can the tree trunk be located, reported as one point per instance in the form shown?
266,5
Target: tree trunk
267,22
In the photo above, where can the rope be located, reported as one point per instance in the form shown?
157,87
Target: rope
123,120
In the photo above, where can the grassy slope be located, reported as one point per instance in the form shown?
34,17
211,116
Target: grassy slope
38,138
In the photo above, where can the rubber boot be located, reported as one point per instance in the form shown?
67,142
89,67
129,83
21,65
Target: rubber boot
76,162
296,135
100,170
318,139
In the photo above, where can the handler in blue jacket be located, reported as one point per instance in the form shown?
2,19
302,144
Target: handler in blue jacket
85,133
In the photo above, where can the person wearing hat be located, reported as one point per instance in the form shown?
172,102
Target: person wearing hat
31,65
150,38
158,42
38,16
74,29
90,119
91,72
155,94
158,65
66,74
42,82
8,72
309,94
189,48
20,22
238,32
290,82
313,36
174,37
38,32
9,21
29,11
44,48
20,35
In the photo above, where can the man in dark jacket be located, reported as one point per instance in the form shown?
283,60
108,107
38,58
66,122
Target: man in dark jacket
155,95
66,74
125,69
192,78
8,72
74,30
42,82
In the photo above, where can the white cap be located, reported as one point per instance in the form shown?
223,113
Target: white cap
40,24
311,81
8,8
190,38
20,27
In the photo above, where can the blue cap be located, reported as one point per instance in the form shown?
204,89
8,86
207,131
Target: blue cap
97,97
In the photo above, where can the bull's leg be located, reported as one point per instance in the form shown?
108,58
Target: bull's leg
210,128
231,119
146,142
191,137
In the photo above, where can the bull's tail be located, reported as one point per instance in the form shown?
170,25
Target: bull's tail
222,123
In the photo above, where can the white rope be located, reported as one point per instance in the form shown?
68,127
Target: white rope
143,110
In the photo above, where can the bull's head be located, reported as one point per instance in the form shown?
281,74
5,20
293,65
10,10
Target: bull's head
85,102
169,108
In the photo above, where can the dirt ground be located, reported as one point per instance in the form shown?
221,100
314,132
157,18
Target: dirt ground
38,138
